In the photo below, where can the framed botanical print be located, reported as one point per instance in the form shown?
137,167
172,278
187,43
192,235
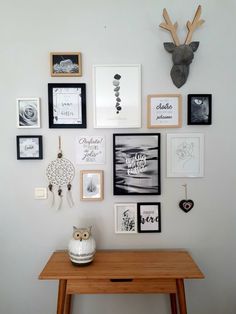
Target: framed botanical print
91,185
125,218
149,217
185,155
199,109
164,111
117,96
29,146
65,64
67,105
136,164
28,113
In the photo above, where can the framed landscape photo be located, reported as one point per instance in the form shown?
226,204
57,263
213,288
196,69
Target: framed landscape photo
117,96
164,111
136,164
29,146
28,112
91,185
65,64
125,218
67,105
149,217
199,109
185,155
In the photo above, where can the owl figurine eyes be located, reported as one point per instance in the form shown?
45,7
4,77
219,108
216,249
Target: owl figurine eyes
81,234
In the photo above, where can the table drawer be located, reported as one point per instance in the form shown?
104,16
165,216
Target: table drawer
121,285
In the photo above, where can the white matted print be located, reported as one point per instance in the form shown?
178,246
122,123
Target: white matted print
91,185
28,112
185,155
117,96
125,218
164,111
90,150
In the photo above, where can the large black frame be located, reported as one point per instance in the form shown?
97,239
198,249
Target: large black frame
200,113
40,142
136,164
149,219
51,86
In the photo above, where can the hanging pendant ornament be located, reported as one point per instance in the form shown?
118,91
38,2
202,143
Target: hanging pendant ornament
60,173
186,205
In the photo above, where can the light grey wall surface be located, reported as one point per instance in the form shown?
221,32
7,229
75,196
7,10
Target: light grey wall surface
117,32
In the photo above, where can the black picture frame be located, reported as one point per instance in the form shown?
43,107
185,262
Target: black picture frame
67,105
136,164
149,217
29,147
199,109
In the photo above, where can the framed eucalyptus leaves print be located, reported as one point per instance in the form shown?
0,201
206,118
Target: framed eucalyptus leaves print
125,218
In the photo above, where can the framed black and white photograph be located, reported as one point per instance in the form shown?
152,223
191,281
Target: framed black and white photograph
29,146
67,105
125,218
149,217
136,164
65,64
199,109
164,111
117,96
91,185
90,150
28,112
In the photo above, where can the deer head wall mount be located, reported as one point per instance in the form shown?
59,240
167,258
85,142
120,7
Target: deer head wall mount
182,54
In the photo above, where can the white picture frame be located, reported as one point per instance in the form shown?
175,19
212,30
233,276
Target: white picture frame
117,96
28,113
185,155
125,218
91,185
90,150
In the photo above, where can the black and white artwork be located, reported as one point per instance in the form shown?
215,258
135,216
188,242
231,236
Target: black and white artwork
90,149
66,64
136,159
149,217
28,112
125,218
199,109
29,147
91,185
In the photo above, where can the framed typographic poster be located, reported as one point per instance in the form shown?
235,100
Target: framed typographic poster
90,149
149,217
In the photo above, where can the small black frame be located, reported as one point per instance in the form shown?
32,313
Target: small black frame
136,164
149,217
29,147
67,105
199,109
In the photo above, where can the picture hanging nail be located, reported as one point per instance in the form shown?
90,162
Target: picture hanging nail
186,205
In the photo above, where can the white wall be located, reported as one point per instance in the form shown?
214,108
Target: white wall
30,230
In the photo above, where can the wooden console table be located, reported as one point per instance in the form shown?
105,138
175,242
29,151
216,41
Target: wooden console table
122,271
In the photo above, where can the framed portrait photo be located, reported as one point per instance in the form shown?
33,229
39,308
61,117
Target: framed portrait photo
91,185
185,155
65,64
149,217
28,112
67,105
199,109
136,164
164,111
117,96
125,218
29,146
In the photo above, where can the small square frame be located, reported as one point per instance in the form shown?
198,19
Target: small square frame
125,218
66,64
28,113
91,185
29,147
149,217
199,109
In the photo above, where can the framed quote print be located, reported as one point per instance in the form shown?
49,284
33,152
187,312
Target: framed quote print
117,96
149,217
29,147
90,149
136,164
164,111
67,105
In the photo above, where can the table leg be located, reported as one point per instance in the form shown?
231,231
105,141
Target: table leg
173,303
181,296
68,303
61,296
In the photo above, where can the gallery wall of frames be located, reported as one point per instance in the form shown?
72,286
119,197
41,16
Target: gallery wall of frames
137,165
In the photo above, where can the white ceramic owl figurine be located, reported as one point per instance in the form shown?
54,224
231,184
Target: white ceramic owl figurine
82,246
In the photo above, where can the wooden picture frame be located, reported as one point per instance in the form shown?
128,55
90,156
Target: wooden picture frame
66,64
164,111
149,217
29,147
199,109
125,218
91,185
28,113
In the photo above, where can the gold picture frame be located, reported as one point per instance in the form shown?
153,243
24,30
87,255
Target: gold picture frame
91,185
66,64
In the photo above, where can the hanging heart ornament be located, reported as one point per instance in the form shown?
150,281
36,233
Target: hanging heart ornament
186,205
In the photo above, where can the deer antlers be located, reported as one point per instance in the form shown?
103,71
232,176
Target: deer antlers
170,27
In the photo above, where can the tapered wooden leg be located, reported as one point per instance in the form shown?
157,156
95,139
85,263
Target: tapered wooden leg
173,303
61,296
68,304
181,296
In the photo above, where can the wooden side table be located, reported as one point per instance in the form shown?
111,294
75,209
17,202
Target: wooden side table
123,271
